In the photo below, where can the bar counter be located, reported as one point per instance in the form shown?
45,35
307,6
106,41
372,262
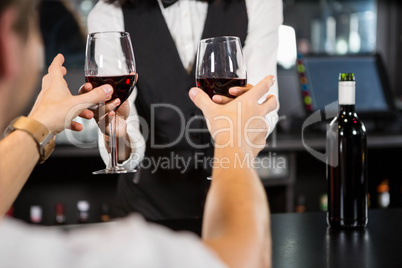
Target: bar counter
304,240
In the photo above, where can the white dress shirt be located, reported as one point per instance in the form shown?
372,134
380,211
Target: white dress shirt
130,242
185,20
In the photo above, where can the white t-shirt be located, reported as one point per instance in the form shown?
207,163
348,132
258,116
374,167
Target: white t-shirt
185,20
130,242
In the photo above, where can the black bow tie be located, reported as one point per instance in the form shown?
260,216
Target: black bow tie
168,3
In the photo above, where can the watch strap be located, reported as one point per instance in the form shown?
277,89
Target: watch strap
42,136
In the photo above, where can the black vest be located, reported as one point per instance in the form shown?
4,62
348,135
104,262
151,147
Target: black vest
162,100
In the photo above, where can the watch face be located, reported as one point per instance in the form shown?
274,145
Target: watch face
46,140
47,150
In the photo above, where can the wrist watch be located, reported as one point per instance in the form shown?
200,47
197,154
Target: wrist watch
42,136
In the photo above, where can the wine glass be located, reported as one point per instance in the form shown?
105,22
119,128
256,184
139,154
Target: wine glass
220,65
109,59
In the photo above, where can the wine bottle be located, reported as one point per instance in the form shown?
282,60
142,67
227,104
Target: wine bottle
347,162
36,214
301,203
383,195
105,212
83,211
60,218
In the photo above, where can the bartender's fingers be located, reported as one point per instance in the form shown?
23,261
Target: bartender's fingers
107,118
95,96
111,105
108,107
201,99
85,88
86,114
76,126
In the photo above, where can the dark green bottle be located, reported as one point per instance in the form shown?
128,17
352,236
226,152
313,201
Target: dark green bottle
347,162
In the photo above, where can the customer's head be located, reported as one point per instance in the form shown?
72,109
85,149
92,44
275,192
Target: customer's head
21,56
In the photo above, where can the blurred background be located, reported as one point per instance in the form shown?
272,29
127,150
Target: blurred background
365,35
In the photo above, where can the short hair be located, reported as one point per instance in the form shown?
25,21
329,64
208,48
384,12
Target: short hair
26,12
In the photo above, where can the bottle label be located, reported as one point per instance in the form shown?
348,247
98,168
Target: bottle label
347,92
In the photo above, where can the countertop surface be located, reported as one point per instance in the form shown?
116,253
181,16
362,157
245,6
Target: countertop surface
304,240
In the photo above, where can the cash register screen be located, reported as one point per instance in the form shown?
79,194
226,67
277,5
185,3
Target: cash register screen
322,73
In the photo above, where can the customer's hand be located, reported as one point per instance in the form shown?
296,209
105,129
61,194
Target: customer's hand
234,91
55,107
104,113
240,123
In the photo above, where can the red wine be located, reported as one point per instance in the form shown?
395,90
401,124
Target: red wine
122,85
220,86
347,163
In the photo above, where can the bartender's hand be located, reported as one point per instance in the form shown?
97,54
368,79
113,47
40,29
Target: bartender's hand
234,91
55,107
240,123
104,113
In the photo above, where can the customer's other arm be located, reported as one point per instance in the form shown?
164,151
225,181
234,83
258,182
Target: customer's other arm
236,218
54,108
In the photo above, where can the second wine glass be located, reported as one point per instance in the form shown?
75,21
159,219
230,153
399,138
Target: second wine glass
220,65
110,60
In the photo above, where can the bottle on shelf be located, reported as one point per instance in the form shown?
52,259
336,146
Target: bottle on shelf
36,214
60,218
105,212
324,202
347,162
83,211
301,203
383,196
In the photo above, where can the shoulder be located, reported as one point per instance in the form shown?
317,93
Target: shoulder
268,9
255,4
102,7
105,17
22,245
177,249
264,15
137,243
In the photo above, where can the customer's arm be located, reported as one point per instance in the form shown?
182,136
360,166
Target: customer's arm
236,218
54,108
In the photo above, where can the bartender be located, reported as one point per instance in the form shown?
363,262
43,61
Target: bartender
165,35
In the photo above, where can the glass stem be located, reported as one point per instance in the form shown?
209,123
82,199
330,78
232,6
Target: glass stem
113,141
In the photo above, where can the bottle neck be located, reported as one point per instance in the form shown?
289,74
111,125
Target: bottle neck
346,108
347,93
